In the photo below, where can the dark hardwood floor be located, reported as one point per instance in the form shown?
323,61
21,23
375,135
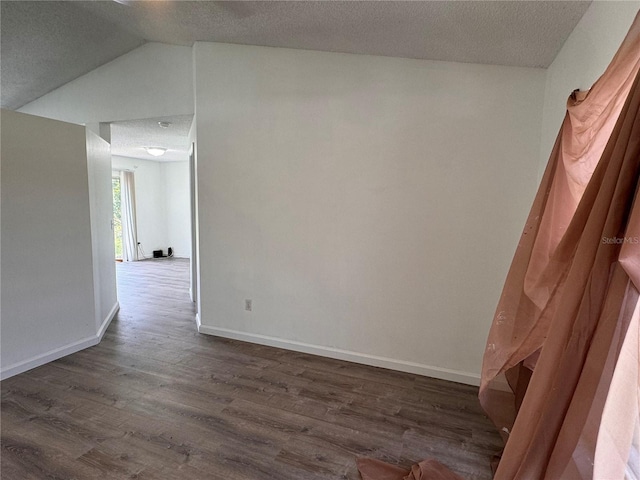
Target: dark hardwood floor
157,400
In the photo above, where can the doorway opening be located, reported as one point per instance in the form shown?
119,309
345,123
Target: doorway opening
153,165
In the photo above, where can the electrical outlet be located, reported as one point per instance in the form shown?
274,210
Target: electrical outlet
247,305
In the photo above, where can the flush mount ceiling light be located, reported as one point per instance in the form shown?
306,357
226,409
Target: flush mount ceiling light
164,124
155,151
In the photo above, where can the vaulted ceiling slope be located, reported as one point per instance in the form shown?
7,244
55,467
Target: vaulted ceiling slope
46,44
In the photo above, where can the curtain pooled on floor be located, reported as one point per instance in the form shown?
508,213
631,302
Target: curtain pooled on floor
560,375
128,205
372,469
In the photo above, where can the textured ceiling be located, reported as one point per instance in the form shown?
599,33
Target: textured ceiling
45,44
129,138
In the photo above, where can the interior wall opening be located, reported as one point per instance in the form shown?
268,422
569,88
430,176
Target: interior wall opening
152,204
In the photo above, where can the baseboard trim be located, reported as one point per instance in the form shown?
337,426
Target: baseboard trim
107,321
59,352
339,354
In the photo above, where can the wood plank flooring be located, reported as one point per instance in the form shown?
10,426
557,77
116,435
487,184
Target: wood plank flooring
157,400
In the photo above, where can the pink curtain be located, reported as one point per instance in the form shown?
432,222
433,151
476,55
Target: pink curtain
371,469
560,371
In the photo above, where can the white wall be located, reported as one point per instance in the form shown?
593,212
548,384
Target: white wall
162,204
583,58
177,207
48,301
369,206
153,80
101,208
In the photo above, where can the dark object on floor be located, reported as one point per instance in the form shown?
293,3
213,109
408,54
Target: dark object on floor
157,254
